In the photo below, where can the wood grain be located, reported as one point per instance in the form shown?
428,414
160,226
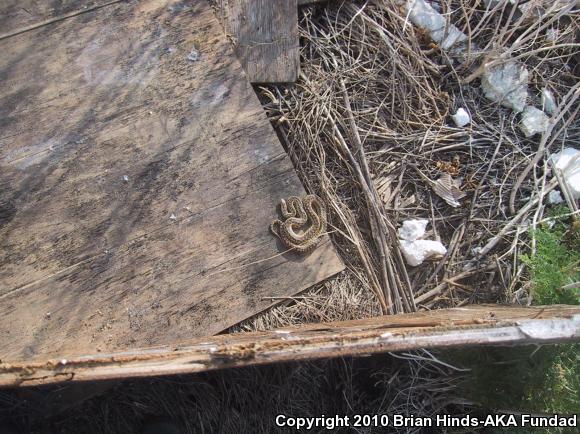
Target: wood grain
138,177
459,327
265,36
17,16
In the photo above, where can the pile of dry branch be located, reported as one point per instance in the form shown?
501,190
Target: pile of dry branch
369,130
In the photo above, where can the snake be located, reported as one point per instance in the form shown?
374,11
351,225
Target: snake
298,213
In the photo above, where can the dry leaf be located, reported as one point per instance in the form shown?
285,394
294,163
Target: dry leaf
448,190
383,187
407,202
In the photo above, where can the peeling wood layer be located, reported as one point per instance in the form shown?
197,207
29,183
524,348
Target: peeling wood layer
475,325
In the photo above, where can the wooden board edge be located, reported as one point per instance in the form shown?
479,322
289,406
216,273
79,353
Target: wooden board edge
340,267
474,325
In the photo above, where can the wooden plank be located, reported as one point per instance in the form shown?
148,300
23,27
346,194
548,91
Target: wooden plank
473,325
17,16
265,35
138,178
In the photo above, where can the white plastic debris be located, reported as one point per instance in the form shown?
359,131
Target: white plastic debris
415,252
423,15
507,84
173,217
125,178
461,117
568,156
568,162
412,229
534,121
548,101
555,197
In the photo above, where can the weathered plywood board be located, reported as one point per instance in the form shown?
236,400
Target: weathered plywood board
472,325
138,177
265,36
20,15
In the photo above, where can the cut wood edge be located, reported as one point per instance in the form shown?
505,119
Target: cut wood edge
265,37
473,325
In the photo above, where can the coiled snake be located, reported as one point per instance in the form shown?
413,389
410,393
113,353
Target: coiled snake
298,212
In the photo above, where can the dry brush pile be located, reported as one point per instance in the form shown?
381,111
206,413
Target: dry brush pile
369,129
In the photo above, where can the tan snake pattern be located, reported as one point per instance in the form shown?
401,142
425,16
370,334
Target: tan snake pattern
298,212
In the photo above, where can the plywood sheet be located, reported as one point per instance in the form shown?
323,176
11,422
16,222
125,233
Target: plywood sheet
138,177
265,35
19,15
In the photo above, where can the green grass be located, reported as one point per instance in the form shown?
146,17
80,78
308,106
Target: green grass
535,379
556,262
527,378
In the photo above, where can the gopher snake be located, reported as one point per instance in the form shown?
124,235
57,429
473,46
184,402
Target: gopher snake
297,212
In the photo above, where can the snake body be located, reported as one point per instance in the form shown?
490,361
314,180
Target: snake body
299,212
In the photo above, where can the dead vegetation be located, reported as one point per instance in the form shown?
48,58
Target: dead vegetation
248,400
341,298
369,130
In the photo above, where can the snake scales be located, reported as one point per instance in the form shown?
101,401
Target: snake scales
298,212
